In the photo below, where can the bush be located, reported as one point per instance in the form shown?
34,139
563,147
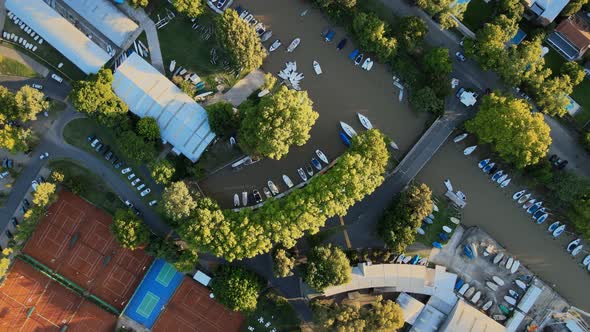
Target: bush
236,288
161,171
148,128
326,266
129,230
222,118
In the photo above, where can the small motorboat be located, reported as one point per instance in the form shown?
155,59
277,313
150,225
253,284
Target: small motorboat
470,292
469,150
322,156
499,318
287,181
463,289
358,59
498,280
243,14
539,213
505,183
502,178
423,261
513,293
524,198
448,184
510,300
492,286
353,54
468,252
509,263
431,216
414,260
461,196
542,218
553,226
586,260
236,200
420,231
393,145
407,259
461,137
437,245
317,68
460,282
273,188
498,257
483,163
528,204
276,44
497,175
434,207
515,266
344,138
329,36
263,93
449,230
573,244
293,45
316,164
455,220
487,305
366,63
266,192
493,170
244,198
347,129
488,167
172,65
309,170
518,194
341,44
476,297
266,36
365,121
505,310
427,220
558,231
400,258
520,284
443,236
369,64
302,174
533,208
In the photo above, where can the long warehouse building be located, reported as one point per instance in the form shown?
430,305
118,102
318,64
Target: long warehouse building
183,122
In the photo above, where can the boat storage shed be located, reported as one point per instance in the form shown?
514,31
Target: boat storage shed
106,18
183,122
465,318
60,33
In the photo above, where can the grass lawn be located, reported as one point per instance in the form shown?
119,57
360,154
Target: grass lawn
441,218
478,13
581,95
94,189
270,304
554,61
45,53
12,67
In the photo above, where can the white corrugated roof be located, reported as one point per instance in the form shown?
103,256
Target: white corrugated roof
60,33
411,308
529,298
183,122
465,318
552,8
430,320
106,18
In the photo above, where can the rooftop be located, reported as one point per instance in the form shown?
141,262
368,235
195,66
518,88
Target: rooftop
547,9
465,318
576,30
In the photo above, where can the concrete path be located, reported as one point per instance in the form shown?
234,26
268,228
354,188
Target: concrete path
241,90
24,59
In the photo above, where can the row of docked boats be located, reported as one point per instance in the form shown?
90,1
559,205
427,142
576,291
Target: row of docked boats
497,176
411,259
348,132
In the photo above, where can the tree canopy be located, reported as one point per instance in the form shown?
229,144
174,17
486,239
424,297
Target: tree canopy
425,100
278,121
148,128
438,62
372,34
410,32
434,7
134,147
162,171
29,102
552,98
192,8
283,263
222,118
236,288
177,201
240,41
45,194
519,136
579,214
326,266
129,230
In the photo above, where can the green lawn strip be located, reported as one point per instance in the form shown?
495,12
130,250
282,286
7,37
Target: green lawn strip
94,189
12,67
76,133
275,309
45,53
554,61
441,218
581,95
478,13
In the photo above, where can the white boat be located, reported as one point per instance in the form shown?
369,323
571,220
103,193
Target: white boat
476,297
470,292
244,198
524,198
347,129
322,156
515,266
483,163
455,220
287,181
510,300
498,280
533,208
400,258
293,45
498,257
502,178
492,286
558,231
509,263
499,317
520,284
459,138
317,68
266,36
448,230
407,259
528,204
266,192
393,145
434,207
553,226
449,185
513,293
423,261
463,289
420,231
487,305
273,189
236,200
469,150
577,250
302,174
367,64
365,121
461,196
573,244
263,93
586,260
172,65
505,183
497,175
518,194
276,44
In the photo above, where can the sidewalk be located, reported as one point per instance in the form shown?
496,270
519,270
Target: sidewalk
242,90
13,54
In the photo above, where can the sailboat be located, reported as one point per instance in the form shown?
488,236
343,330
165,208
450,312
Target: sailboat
498,257
365,121
347,129
293,45
558,231
502,178
459,138
322,156
483,163
505,183
518,194
553,226
524,198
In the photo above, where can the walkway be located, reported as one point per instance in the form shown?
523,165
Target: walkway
25,59
241,90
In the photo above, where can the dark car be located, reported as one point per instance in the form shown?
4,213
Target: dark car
460,56
136,211
5,162
118,164
114,160
107,149
553,158
108,155
257,197
9,163
40,179
26,203
562,164
91,138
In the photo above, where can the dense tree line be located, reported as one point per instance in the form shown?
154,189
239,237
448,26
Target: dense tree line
17,109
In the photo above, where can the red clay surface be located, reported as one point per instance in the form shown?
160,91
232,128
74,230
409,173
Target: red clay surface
191,309
75,241
54,305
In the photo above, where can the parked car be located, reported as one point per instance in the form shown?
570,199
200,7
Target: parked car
44,155
3,174
562,164
141,186
9,164
152,203
136,181
136,211
109,155
57,78
26,203
126,170
98,147
118,164
5,162
96,141
40,179
91,138
128,204
34,184
460,56
37,86
553,158
131,176
145,192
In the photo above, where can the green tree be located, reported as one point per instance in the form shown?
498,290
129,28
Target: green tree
270,82
139,3
434,7
568,187
148,128
552,98
283,263
240,41
372,35
574,70
222,118
8,108
446,21
162,248
129,230
186,261
326,266
337,3
586,140
520,60
513,9
425,100
45,194
280,120
185,85
29,102
162,171
192,8
236,288
56,176
573,7
410,32
177,201
489,46
579,214
438,62
15,139
5,261
135,148
519,136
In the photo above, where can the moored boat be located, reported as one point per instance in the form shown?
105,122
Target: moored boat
520,284
302,174
463,289
322,156
309,170
347,129
287,181
400,258
273,188
358,59
542,218
244,198
497,175
470,292
515,266
509,263
236,200
316,164
505,183
476,297
460,137
498,257
533,208
573,244
365,121
172,65
553,226
317,68
407,259
524,198
586,260
504,309
344,138
276,44
492,286
293,45
498,280
341,44
513,293
266,36
510,300
469,150
488,167
518,194
558,231
487,305
263,93
455,220
502,178
577,250
266,192
499,318
483,163
420,231
528,204
393,145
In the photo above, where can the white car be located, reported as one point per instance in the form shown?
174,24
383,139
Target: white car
57,78
93,144
141,186
37,86
44,155
34,184
152,203
128,204
136,181
131,176
145,192
126,170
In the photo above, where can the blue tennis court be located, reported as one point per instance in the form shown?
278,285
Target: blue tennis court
155,290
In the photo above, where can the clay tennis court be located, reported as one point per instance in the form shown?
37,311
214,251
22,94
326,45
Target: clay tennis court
75,241
48,305
191,309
